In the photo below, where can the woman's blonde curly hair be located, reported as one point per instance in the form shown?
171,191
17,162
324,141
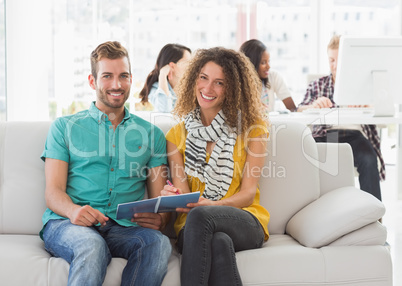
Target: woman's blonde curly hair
242,104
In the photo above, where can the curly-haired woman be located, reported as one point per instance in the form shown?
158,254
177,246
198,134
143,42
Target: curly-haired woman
218,149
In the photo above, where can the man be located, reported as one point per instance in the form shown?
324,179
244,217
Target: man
363,139
95,160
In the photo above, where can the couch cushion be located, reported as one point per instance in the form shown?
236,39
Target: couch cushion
333,215
58,271
27,253
23,179
335,161
283,261
289,180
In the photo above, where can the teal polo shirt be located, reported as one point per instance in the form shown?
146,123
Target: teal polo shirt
106,167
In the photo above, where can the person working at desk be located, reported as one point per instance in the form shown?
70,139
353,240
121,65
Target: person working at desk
363,139
272,82
94,160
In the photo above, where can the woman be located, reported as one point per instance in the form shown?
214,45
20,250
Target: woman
159,86
273,82
219,149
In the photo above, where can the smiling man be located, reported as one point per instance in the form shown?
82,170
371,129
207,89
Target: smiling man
89,158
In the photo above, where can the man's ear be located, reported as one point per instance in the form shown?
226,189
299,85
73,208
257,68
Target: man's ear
92,81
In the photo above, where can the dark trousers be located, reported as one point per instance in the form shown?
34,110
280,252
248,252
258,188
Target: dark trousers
364,157
208,243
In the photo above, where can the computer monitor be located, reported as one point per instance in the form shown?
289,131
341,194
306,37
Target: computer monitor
369,71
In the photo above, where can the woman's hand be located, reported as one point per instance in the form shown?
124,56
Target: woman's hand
164,72
170,191
201,202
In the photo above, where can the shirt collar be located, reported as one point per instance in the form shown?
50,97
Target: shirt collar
99,116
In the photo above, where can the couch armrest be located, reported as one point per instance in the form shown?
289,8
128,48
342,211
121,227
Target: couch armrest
372,234
334,215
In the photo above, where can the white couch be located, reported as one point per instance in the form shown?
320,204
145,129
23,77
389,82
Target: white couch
323,231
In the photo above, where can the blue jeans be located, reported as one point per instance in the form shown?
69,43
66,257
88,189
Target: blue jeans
89,251
208,243
364,156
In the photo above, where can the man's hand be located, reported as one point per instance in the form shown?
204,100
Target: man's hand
322,102
151,220
87,216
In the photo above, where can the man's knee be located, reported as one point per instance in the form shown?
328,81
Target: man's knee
367,159
164,244
95,248
157,242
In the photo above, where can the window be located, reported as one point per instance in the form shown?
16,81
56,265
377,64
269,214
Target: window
287,41
48,57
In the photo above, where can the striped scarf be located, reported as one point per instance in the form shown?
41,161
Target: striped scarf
218,172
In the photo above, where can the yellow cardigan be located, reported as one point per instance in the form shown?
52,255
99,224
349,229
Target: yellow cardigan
178,134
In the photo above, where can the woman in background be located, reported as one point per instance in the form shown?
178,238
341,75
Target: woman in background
272,81
219,149
159,86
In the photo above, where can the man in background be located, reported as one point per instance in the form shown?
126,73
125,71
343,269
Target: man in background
363,139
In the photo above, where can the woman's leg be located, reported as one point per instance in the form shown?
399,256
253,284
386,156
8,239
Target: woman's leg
211,236
223,270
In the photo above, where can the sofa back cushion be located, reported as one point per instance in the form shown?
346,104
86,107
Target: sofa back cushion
288,183
290,178
336,160
22,184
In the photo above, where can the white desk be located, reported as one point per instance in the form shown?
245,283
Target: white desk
335,118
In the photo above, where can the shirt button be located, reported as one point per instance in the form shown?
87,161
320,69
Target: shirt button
109,204
114,146
110,189
112,169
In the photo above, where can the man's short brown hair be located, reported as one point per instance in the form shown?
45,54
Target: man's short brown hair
110,50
